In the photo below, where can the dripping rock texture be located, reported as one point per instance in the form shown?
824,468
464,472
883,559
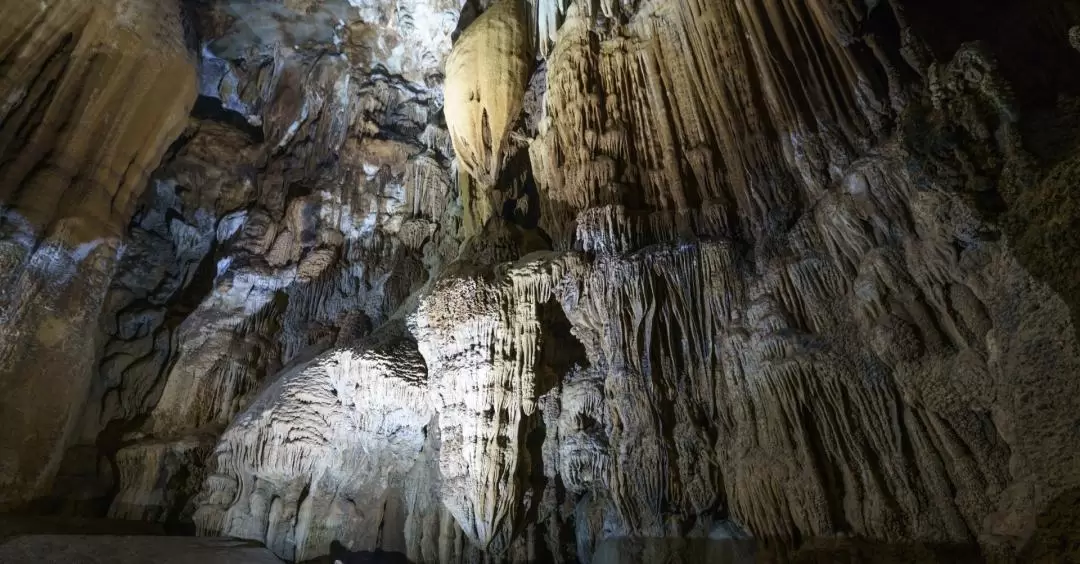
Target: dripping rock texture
541,280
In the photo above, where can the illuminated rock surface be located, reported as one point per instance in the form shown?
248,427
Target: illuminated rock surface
544,280
486,76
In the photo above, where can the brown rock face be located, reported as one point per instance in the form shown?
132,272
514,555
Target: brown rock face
93,93
717,277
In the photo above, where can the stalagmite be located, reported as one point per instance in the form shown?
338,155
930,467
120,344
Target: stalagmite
326,442
486,386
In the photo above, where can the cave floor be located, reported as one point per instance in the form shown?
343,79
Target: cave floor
132,549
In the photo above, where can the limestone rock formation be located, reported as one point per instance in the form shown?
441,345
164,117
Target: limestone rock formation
546,280
91,96
482,343
486,76
323,453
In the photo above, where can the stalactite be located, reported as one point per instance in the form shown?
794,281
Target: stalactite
486,75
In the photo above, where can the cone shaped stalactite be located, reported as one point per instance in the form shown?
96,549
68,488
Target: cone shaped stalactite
486,75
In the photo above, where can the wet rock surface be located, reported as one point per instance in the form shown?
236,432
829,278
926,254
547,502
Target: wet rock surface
542,280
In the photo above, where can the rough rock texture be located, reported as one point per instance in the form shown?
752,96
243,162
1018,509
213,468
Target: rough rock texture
318,248
91,95
323,450
307,197
796,271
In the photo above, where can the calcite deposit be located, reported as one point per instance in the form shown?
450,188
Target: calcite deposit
486,76
544,280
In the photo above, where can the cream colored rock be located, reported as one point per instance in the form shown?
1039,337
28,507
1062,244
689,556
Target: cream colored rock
481,334
322,453
806,283
486,75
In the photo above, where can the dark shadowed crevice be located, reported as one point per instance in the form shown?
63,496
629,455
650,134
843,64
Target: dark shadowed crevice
560,351
195,291
1029,37
211,109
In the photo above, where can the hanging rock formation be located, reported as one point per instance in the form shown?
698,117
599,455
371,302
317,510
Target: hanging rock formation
717,277
486,76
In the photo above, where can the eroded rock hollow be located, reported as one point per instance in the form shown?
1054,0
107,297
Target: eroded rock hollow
545,280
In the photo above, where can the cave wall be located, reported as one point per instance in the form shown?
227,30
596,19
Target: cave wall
93,94
331,212
788,269
297,204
